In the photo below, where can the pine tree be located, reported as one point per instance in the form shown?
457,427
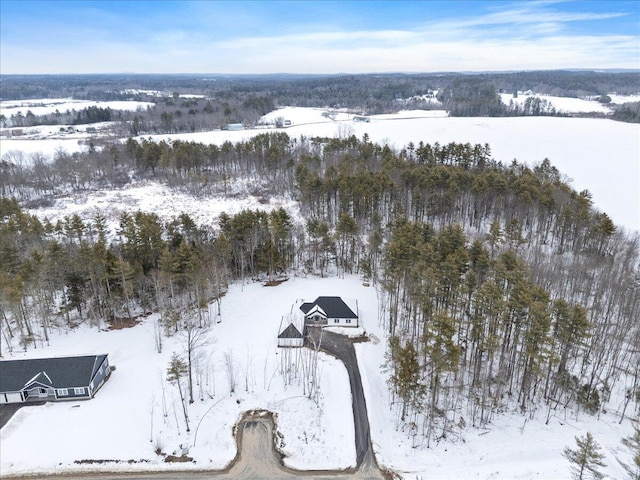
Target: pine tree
633,443
406,375
586,459
178,369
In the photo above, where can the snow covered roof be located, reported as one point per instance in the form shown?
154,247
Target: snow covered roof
57,372
332,307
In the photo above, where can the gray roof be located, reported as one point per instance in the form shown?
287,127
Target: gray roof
290,332
333,307
56,372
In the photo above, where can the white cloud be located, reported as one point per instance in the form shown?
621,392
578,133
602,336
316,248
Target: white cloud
518,37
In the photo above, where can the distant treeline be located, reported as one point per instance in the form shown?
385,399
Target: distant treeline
464,95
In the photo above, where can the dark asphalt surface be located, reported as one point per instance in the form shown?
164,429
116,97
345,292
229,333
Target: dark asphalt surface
342,348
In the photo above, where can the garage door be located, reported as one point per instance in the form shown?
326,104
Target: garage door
10,398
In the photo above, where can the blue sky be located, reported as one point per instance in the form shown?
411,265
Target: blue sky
315,36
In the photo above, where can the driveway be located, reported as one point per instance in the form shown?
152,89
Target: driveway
341,347
8,410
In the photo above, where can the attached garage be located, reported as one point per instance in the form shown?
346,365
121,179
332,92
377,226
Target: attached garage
11,397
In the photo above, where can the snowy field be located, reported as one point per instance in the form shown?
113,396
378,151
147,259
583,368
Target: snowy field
45,106
510,448
561,104
131,400
25,147
598,154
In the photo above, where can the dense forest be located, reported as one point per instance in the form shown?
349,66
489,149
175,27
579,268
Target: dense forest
501,287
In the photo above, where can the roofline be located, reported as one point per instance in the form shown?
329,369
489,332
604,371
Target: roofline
55,357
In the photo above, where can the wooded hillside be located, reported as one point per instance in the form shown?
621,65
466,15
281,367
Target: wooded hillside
501,287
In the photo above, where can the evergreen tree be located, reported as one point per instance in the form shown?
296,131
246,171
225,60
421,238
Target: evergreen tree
178,369
406,375
633,444
586,459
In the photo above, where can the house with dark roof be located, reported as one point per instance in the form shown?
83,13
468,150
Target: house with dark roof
290,337
52,379
329,311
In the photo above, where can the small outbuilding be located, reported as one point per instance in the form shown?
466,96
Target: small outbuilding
52,379
290,337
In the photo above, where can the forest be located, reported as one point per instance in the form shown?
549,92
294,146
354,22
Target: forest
502,288
215,101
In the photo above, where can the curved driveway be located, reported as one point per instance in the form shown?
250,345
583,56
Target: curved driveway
342,348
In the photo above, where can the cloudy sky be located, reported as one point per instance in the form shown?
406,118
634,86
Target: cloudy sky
315,36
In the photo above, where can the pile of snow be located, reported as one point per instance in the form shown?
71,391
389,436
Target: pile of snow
560,104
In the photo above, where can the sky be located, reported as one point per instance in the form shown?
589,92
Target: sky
318,37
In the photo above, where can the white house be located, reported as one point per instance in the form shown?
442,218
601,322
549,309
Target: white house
329,311
52,379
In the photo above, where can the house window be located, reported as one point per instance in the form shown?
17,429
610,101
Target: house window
348,320
79,391
63,392
335,320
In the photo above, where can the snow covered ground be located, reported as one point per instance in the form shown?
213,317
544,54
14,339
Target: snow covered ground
512,447
561,104
45,106
619,99
46,146
156,198
131,402
125,419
